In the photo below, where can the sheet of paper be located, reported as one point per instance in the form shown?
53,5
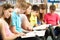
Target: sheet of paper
30,34
41,27
34,33
40,33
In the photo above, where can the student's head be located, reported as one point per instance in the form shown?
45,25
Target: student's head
42,11
6,12
7,9
42,8
52,8
35,9
28,11
22,6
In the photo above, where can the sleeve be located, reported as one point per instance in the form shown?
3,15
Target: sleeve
24,18
25,22
13,19
57,19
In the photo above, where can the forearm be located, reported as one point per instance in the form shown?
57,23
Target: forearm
27,28
13,30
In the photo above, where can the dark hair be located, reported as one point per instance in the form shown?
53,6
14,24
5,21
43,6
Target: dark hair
52,7
42,6
35,8
5,7
41,15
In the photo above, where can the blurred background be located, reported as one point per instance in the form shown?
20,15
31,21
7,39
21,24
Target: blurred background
37,2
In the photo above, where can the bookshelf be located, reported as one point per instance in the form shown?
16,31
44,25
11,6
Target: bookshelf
35,1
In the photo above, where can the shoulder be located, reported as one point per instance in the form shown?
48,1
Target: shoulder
22,15
13,14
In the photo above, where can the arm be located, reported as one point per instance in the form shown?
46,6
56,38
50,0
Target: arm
3,33
25,23
57,19
13,29
13,23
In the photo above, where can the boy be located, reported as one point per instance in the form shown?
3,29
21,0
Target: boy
51,18
19,20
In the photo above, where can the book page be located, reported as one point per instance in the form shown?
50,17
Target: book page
30,34
34,33
41,27
40,33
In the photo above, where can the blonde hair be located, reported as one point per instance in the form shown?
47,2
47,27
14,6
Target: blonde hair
19,1
22,5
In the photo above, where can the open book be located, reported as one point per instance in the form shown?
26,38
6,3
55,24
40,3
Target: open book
41,27
37,31
34,33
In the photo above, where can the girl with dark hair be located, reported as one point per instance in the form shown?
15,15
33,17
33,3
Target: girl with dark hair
40,19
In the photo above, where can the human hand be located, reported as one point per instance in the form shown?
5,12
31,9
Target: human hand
30,29
22,34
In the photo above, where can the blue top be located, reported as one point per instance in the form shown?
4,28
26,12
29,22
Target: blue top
16,21
39,22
